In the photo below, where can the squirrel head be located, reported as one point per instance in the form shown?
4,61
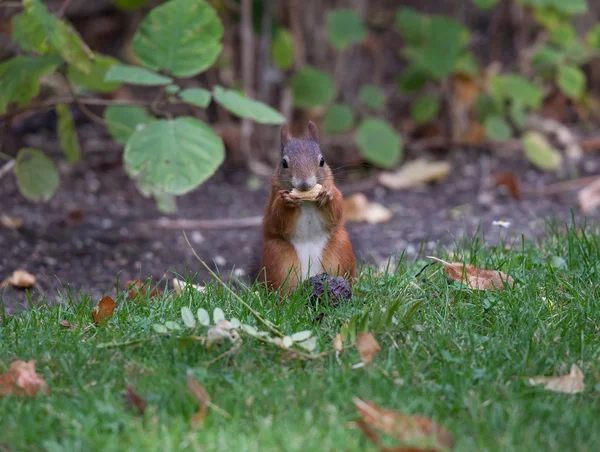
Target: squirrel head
302,165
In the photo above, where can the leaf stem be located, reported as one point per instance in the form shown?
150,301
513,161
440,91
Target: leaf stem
265,322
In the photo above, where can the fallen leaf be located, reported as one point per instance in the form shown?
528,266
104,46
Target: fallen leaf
310,195
589,197
509,180
417,172
367,347
358,209
569,384
104,310
11,222
135,401
19,279
337,344
22,379
475,278
201,397
540,152
418,432
179,285
138,290
65,324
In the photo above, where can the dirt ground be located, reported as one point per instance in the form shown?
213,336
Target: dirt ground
96,230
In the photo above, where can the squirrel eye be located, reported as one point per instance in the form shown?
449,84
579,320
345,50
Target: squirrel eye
322,162
284,163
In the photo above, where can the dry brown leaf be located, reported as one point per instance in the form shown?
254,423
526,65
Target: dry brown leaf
589,197
138,290
134,400
357,208
475,278
420,433
65,324
11,222
20,279
310,195
509,180
367,347
417,172
569,384
203,399
179,285
22,379
104,310
337,343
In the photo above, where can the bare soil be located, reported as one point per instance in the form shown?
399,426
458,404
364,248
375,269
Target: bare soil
96,231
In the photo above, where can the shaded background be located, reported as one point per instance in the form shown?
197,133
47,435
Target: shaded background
98,229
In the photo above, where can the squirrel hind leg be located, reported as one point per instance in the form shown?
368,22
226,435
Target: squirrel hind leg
279,266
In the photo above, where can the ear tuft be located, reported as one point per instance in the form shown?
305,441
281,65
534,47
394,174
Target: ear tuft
286,137
313,131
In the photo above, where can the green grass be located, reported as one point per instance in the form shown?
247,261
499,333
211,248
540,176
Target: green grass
457,359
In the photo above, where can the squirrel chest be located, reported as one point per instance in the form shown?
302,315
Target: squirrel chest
309,239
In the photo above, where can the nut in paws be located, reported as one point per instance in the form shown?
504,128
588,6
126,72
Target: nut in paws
289,200
325,196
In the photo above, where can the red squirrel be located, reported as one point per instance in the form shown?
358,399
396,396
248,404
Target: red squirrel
303,238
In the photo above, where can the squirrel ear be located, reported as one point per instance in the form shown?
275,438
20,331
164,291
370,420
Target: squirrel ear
313,131
285,136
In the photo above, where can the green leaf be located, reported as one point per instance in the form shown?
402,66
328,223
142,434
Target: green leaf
485,106
301,336
540,152
282,49
174,155
443,47
485,4
129,5
124,120
562,35
571,81
425,108
218,315
165,202
188,317
136,76
95,79
312,87
29,35
412,79
496,128
344,28
241,106
546,59
371,96
592,37
338,119
173,326
172,89
203,317
196,96
37,175
160,329
548,18
467,64
412,25
21,78
512,86
46,33
569,7
67,134
517,114
182,37
379,143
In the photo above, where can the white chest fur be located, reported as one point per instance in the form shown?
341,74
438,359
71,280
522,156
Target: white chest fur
309,240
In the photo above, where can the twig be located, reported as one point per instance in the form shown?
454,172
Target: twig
6,168
63,9
294,14
561,187
86,111
231,350
221,223
247,45
265,322
130,342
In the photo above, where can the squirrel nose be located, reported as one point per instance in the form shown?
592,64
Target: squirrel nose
305,185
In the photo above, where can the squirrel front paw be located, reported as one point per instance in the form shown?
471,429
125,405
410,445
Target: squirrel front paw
325,195
289,200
